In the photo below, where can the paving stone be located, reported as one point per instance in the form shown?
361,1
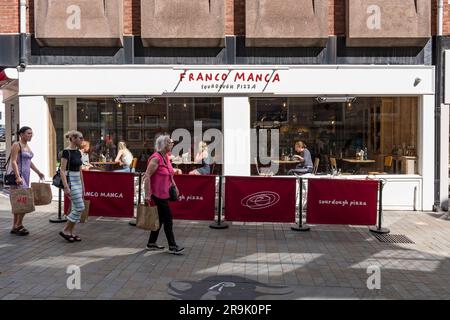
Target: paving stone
328,262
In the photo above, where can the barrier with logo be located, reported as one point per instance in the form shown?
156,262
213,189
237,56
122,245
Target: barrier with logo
197,196
260,199
342,201
111,193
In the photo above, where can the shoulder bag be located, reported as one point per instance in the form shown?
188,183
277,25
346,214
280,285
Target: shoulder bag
57,181
173,196
10,178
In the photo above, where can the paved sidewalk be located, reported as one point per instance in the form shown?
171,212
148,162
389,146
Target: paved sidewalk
245,261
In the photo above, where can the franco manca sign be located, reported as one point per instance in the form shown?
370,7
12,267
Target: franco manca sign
227,81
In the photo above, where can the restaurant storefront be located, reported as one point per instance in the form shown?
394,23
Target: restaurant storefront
251,115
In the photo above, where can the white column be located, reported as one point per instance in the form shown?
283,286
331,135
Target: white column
33,112
236,128
426,150
444,157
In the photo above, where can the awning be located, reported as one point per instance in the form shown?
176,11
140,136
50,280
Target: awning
7,75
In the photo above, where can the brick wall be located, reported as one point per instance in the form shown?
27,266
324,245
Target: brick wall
9,16
235,17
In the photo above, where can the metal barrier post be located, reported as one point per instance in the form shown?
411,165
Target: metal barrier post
59,219
379,228
132,222
301,226
219,224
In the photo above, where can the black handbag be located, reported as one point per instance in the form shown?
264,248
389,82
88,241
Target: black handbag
172,190
173,193
57,181
9,179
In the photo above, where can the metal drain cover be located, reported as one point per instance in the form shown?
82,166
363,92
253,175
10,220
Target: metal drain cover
393,238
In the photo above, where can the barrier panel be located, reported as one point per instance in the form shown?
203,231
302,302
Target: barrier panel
111,193
342,201
260,199
197,197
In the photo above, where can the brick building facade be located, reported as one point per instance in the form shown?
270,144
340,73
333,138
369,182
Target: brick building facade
344,40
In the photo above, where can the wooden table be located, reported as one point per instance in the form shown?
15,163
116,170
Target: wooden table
357,163
186,166
106,166
285,165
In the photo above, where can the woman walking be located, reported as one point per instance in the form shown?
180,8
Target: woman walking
157,181
21,164
73,183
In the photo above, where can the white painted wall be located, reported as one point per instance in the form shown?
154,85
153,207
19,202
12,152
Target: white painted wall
444,157
426,149
236,124
33,112
2,110
165,80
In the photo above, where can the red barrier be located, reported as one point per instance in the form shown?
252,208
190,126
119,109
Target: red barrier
260,199
197,197
338,201
111,193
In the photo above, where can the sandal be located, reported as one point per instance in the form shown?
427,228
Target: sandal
68,237
76,238
20,231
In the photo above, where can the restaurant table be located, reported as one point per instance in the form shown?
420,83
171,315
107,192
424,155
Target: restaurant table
106,166
357,163
186,166
286,165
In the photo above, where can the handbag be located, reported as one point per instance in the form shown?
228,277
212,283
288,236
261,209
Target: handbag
9,179
147,217
173,196
57,181
42,193
21,200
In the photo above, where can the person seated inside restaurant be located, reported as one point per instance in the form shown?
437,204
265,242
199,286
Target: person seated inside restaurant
172,159
85,149
202,156
304,156
124,157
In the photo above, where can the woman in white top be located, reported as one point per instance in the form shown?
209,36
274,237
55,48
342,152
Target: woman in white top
124,157
203,158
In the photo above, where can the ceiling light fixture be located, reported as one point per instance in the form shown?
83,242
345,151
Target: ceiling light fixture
326,99
134,99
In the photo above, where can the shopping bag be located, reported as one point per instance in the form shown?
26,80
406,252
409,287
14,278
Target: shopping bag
42,193
85,213
22,201
147,217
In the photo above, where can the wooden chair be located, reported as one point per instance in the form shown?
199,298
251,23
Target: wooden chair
264,171
316,165
133,165
333,164
213,167
387,164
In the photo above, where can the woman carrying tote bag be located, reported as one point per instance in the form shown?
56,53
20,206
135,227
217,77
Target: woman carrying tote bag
158,180
21,164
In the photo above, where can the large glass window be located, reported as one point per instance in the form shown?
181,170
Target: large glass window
106,121
366,135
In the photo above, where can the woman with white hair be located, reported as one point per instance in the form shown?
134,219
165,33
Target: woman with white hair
202,156
157,181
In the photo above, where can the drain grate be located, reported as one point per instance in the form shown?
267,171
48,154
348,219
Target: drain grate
393,238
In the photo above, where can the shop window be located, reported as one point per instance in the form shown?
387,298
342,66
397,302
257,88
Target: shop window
366,135
105,122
